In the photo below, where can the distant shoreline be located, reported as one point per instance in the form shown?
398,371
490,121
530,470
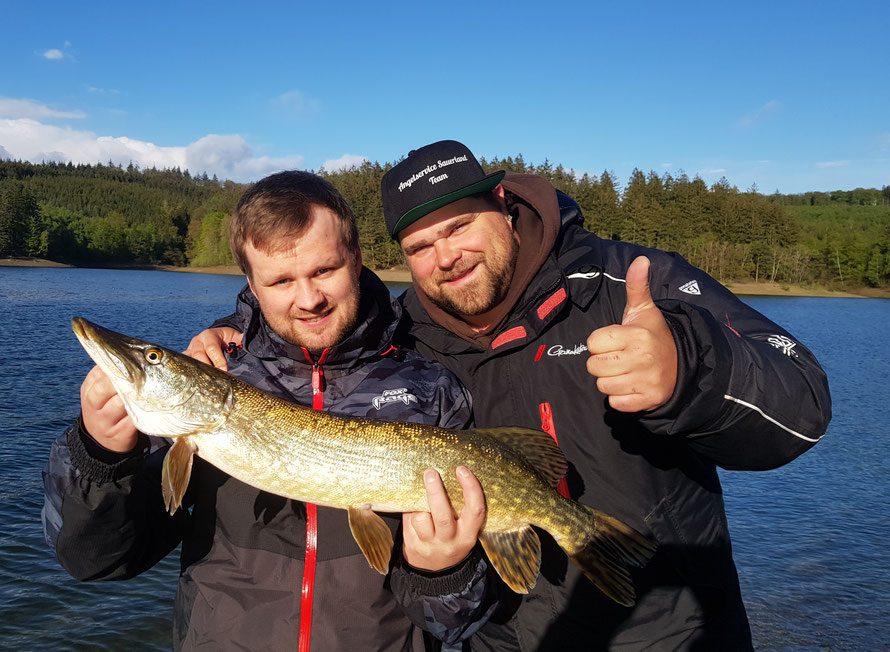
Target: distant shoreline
401,275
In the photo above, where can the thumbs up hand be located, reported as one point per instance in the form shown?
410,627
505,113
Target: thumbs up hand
635,362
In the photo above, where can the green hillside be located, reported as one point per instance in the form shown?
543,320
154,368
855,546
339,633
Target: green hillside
106,214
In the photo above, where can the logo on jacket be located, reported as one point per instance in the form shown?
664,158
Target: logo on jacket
558,350
784,344
584,274
690,288
394,396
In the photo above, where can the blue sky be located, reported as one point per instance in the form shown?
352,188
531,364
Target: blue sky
785,95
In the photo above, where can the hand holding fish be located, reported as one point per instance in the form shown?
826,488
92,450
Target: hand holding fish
207,346
635,362
438,539
104,415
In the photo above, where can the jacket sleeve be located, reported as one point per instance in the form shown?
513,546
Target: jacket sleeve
748,395
452,604
103,511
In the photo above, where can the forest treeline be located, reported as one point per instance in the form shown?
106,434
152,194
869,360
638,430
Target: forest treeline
108,214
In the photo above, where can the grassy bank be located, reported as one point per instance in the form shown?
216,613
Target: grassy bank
748,288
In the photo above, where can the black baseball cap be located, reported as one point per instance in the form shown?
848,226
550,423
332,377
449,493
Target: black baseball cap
431,177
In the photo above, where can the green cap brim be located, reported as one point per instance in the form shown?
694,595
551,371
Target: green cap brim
488,183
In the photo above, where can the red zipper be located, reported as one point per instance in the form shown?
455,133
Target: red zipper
311,555
308,577
548,427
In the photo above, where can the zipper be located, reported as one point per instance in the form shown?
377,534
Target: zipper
309,562
547,426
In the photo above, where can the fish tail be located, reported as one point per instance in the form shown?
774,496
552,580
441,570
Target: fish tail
607,551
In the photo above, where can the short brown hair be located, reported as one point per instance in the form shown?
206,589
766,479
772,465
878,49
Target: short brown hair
278,208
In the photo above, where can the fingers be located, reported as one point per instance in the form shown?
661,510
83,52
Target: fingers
636,280
199,354
208,346
441,512
472,516
217,357
635,362
96,390
609,338
440,539
103,413
632,403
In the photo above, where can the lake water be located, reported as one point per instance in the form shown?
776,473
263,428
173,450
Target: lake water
812,539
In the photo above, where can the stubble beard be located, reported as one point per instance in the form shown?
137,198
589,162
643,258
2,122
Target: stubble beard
290,331
491,285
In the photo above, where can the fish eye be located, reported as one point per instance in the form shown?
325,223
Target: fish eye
154,356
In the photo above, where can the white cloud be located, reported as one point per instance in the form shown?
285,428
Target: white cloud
54,54
761,114
24,108
714,171
345,162
31,140
227,156
296,105
832,164
230,156
4,154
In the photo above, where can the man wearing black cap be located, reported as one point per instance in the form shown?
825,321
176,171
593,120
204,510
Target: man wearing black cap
648,372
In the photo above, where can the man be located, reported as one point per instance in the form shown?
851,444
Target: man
648,372
260,571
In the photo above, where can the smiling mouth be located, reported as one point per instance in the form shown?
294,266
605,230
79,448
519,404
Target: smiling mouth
457,278
315,319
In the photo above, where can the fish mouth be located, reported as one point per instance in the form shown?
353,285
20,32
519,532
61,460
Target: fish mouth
108,349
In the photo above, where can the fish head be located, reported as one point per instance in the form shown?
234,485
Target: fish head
166,393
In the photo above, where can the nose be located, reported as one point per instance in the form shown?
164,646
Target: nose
308,297
446,254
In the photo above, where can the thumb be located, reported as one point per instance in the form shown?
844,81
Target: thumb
637,285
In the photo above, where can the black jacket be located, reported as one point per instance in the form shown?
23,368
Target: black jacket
748,397
243,549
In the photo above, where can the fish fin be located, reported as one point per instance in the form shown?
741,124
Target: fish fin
373,536
537,447
515,555
609,549
176,472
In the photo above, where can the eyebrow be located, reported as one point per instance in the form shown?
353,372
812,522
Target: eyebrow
441,230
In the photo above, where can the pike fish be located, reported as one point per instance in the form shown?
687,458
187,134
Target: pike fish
363,465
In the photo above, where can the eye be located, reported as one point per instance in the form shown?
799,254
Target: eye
418,249
154,356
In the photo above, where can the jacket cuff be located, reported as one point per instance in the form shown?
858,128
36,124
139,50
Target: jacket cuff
99,464
448,581
703,371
